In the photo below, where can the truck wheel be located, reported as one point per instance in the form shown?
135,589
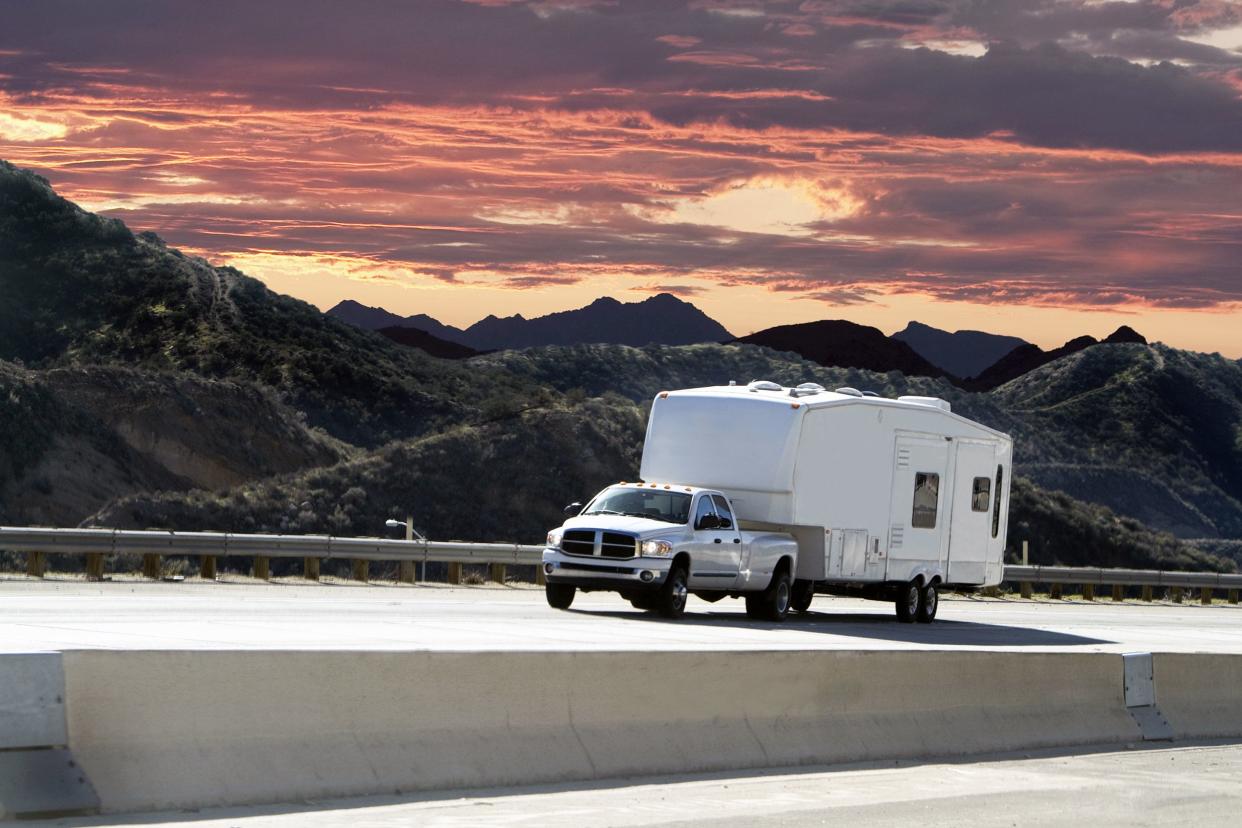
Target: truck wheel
909,599
929,602
773,603
560,596
670,601
803,594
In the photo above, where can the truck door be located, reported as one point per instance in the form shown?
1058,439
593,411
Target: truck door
713,555
731,548
971,521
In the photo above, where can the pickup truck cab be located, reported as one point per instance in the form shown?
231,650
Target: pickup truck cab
658,543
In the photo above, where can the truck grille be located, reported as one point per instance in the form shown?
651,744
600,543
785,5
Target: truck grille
616,545
611,544
578,542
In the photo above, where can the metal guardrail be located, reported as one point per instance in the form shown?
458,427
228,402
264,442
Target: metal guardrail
209,546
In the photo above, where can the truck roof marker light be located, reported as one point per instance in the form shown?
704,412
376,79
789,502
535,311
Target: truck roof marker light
667,486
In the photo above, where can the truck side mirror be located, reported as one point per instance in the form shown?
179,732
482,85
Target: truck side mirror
572,509
707,522
723,523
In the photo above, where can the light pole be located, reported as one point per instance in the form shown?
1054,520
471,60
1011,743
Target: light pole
408,526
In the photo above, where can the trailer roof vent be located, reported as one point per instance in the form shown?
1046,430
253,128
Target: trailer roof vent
849,392
764,385
806,389
934,402
870,394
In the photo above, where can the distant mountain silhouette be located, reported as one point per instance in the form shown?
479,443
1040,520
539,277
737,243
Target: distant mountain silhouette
836,342
434,345
961,353
376,319
1028,357
663,319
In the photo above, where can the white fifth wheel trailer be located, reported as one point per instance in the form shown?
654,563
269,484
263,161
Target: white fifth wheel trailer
890,499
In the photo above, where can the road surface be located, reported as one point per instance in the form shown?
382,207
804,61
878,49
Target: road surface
61,615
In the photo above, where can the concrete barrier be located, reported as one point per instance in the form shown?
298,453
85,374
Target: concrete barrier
1200,693
191,729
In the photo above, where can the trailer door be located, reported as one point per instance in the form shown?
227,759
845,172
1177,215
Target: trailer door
971,520
918,533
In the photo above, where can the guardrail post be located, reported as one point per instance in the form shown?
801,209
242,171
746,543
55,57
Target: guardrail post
542,580
1177,595
1233,596
360,570
1054,592
405,572
36,564
497,572
1025,589
454,573
94,566
263,567
151,567
1205,596
310,569
1119,592
207,567
1088,592
1147,593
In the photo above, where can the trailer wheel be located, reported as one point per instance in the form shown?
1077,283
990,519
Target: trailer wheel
929,602
670,601
773,603
803,594
560,596
909,599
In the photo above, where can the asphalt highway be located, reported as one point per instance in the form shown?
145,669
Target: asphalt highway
293,615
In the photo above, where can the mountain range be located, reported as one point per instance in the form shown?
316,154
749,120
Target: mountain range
662,318
140,387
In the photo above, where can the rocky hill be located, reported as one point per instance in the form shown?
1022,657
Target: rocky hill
842,344
960,353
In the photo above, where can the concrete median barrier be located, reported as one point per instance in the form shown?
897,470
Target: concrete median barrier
190,729
1200,693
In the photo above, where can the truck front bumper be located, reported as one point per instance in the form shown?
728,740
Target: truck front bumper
594,572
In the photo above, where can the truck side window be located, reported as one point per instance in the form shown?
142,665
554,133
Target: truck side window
722,510
926,499
1000,471
703,510
981,495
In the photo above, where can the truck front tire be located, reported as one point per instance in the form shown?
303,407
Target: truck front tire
560,596
670,601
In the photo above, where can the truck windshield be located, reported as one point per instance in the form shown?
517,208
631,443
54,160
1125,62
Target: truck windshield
670,507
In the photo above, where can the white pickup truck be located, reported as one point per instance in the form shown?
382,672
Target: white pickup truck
656,543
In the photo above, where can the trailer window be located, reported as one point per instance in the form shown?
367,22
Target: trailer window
1000,471
926,500
981,495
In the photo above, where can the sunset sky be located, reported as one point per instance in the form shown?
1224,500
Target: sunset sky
1044,168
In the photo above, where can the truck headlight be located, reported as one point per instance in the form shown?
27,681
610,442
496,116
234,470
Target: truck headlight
657,548
554,539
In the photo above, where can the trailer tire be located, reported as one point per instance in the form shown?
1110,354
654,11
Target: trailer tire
560,596
773,603
929,602
670,601
802,595
909,599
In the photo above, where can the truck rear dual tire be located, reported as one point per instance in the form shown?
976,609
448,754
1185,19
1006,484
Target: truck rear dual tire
802,595
773,603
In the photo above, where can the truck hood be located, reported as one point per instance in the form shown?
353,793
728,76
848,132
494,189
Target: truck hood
643,527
